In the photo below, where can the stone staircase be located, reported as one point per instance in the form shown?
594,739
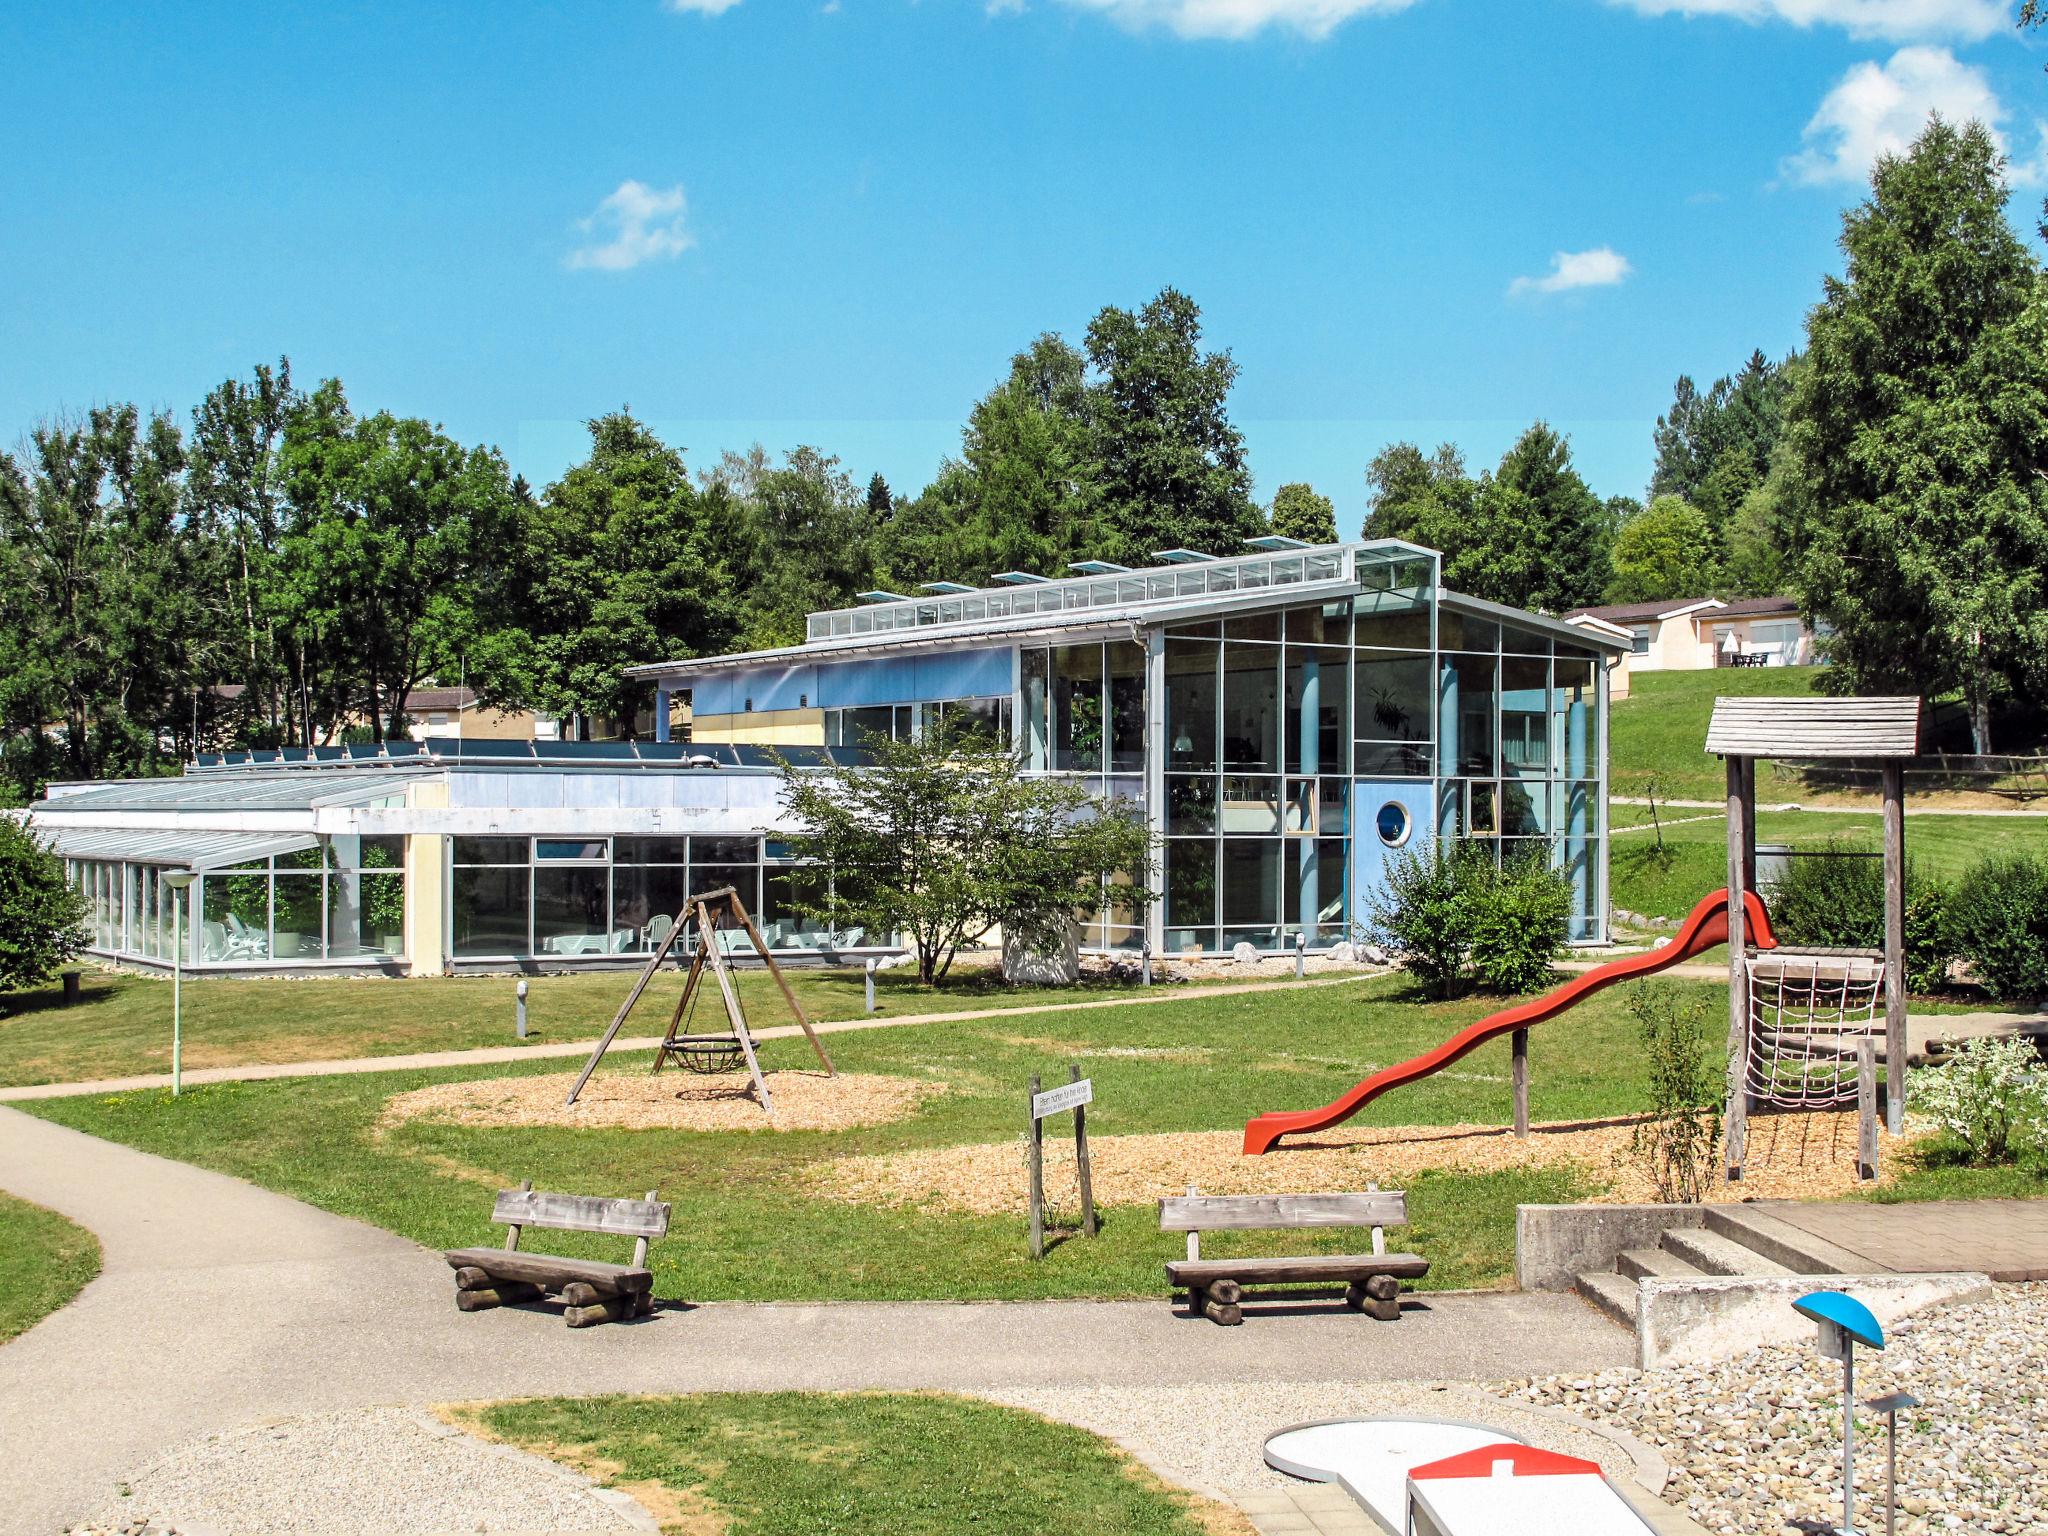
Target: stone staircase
1715,1241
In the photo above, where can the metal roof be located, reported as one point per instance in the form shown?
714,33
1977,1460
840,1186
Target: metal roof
1522,618
221,791
188,850
1807,727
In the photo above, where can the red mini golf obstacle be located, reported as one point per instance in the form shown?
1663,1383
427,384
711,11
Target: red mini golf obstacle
1705,927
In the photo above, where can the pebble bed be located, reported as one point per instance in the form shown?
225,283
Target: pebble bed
1756,1441
1212,1437
385,1470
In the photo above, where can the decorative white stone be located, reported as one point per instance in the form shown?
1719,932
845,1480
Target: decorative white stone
1244,954
1027,967
1344,952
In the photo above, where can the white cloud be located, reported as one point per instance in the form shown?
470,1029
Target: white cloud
1889,19
645,224
1880,109
1601,267
703,7
1313,19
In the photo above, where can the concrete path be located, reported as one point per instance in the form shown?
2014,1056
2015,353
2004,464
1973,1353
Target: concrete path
578,1049
221,1304
2005,1239
1824,810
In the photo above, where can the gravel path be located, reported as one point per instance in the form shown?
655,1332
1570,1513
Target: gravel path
1756,1440
389,1470
1212,1437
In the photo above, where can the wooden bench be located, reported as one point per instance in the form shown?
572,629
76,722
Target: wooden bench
594,1292
1215,1287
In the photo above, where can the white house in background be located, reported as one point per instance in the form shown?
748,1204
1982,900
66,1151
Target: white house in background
1692,634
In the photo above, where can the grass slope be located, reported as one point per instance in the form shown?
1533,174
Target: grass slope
794,1464
747,1227
1661,729
44,1262
123,1026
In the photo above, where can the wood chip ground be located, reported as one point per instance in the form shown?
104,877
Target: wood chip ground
1809,1156
678,1101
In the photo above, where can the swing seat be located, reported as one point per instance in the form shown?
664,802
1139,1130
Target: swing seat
705,1054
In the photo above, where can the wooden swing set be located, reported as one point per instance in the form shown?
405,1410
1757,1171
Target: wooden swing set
711,914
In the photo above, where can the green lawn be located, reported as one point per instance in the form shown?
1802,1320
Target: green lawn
795,1464
123,1026
746,1226
1694,859
1661,729
44,1262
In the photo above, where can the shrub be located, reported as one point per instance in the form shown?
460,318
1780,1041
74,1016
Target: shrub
1452,916
1687,1086
1839,901
1992,1098
41,917
1521,917
1998,921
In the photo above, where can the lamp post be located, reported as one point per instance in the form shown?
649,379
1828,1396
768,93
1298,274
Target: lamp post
179,880
1844,1323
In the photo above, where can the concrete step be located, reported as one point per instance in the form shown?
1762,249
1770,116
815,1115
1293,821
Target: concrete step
1611,1294
1713,1254
1655,1264
1779,1241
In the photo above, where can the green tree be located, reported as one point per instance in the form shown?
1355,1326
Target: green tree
1665,551
945,838
41,917
1917,433
618,566
1415,496
1170,466
802,537
1299,513
1713,449
402,547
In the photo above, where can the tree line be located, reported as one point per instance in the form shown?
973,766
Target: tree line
286,569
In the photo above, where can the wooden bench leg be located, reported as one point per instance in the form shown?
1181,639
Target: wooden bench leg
481,1298
587,1306
1382,1298
1220,1303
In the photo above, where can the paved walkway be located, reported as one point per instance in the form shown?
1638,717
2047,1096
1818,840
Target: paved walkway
1824,810
490,1055
221,1304
2005,1239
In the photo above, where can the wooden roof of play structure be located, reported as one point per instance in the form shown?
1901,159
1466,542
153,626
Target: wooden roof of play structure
1814,727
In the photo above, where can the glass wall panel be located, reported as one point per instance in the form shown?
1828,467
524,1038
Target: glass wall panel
787,891
1524,808
1077,723
1318,718
1123,927
1191,704
1126,671
1249,877
299,918
1397,626
1524,716
365,914
571,912
491,911
1316,877
1396,697
1333,806
651,850
1523,642
1190,893
1328,625
647,897
1251,806
491,850
1036,726
1463,632
1577,700
1251,708
1470,715
1190,803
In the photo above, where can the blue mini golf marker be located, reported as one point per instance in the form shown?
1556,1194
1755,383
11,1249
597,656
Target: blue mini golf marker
1844,1323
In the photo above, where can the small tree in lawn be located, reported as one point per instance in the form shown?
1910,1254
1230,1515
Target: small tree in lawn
41,916
945,838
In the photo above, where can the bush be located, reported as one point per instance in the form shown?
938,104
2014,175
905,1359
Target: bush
1839,901
42,919
1998,921
1687,1086
1991,1098
1452,917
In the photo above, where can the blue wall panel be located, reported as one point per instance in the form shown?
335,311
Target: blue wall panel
910,679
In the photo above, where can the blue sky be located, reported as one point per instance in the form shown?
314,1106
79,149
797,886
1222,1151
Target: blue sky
834,220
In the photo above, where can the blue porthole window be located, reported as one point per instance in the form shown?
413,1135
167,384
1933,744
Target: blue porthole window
1393,824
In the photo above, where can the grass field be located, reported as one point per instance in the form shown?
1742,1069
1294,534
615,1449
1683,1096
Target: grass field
44,1262
1661,729
748,1226
123,1026
1694,859
795,1464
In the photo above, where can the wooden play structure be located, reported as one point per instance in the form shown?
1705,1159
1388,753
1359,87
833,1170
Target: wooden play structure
714,918
1215,1287
1802,1030
1803,1023
594,1292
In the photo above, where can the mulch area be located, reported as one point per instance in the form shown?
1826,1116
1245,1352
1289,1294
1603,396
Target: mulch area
1804,1157
670,1100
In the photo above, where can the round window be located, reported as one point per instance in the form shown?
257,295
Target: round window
1393,823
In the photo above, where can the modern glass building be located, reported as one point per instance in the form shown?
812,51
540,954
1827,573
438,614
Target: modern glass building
1286,721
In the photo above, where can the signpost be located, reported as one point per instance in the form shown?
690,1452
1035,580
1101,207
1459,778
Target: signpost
1075,1094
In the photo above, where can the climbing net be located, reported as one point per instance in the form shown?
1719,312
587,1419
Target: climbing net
1807,1011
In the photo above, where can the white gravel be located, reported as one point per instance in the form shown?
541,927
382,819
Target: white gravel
389,1471
1211,1437
1756,1441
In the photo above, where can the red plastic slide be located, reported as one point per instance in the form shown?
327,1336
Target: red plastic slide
1703,928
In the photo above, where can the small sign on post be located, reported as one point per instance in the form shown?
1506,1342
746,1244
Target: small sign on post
1076,1094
